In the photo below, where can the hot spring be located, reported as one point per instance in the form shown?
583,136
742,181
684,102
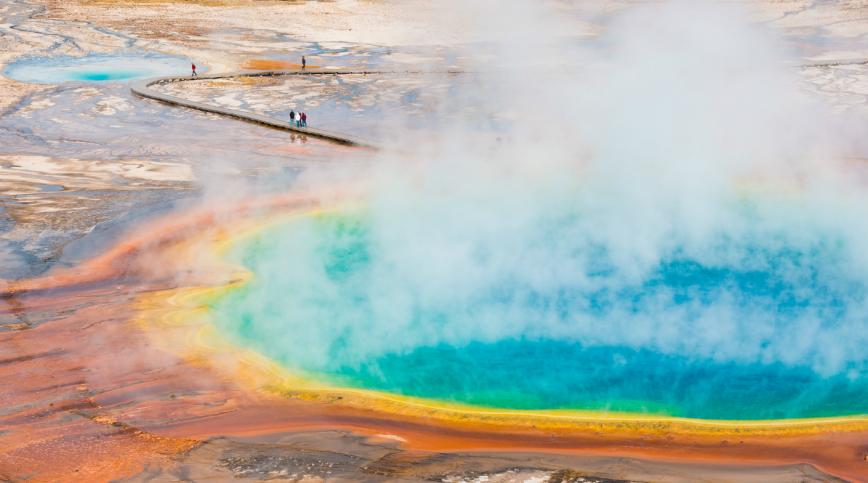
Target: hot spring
672,231
754,322
95,68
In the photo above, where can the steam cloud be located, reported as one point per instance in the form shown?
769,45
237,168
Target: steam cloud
679,145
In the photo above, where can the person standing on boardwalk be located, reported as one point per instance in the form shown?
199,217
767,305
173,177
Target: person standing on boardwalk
303,62
194,71
303,119
291,117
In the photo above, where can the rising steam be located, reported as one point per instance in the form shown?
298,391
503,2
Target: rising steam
669,187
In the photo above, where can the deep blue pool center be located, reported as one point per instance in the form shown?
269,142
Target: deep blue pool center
96,67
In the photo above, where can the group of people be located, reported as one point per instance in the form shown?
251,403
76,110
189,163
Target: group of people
298,118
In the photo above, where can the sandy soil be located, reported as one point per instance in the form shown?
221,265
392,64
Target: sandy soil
343,456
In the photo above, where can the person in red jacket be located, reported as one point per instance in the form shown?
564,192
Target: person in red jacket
303,119
194,71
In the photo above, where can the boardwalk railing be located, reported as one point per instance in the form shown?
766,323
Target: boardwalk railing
143,88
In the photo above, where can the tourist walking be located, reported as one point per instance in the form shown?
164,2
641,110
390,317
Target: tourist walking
303,62
291,117
194,71
303,119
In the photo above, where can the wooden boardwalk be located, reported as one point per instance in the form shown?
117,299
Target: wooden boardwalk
143,88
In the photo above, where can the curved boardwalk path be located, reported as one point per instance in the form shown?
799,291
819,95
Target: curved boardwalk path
143,88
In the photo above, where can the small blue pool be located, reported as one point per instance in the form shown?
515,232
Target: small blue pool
95,68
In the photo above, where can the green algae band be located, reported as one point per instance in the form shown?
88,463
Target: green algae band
739,329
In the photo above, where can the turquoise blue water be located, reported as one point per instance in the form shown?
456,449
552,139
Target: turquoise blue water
102,75
95,68
759,331
550,374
